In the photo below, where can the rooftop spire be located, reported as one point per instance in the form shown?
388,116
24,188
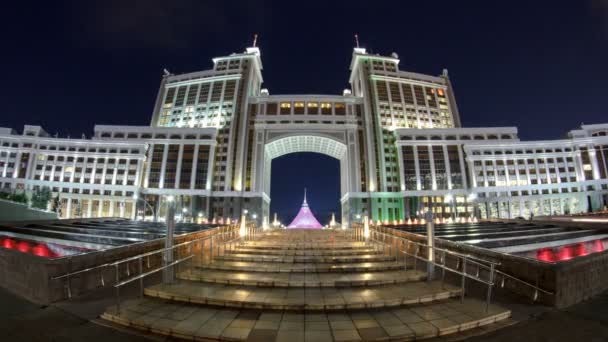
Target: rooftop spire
255,39
304,198
357,39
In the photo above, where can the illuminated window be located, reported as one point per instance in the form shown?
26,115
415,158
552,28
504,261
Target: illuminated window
440,92
326,108
313,108
587,167
285,108
298,107
69,169
340,108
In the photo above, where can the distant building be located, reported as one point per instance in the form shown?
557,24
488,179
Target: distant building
397,134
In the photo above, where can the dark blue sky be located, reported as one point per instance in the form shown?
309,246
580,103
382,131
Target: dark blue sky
538,65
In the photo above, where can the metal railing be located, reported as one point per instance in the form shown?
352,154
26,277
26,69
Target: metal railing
464,262
219,240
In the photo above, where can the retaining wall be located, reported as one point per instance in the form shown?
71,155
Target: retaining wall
31,276
570,281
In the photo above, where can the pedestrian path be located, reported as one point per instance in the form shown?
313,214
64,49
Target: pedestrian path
303,285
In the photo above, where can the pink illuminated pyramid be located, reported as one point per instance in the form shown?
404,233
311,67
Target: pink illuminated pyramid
305,218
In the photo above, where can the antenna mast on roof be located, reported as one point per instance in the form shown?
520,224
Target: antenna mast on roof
357,39
255,39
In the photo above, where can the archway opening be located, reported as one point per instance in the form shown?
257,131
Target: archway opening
317,162
318,173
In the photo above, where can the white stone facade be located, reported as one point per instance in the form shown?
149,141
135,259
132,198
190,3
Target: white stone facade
397,134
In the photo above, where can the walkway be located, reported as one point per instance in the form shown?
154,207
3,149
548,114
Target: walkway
303,285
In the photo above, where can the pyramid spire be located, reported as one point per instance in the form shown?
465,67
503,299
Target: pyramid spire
305,217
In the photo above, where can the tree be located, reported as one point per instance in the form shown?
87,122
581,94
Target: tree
41,198
19,198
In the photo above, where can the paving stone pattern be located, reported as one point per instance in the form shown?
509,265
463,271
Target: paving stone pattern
303,285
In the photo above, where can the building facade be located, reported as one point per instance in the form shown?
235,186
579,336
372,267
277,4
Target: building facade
397,135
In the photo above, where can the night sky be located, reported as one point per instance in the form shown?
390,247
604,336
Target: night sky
532,64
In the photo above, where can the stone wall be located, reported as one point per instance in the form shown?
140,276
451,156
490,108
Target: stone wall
531,271
31,276
569,282
581,278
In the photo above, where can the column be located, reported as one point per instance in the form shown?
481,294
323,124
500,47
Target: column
578,166
594,164
68,209
432,162
116,166
90,208
463,170
161,183
547,171
210,168
194,167
417,167
93,171
104,171
148,165
17,165
137,181
484,171
178,168
448,170
473,173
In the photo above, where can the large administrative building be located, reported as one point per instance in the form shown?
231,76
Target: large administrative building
397,134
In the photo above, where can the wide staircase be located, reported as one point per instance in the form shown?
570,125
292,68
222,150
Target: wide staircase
304,285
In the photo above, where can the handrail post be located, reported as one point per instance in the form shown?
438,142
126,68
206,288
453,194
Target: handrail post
416,259
211,249
443,269
69,282
405,255
141,280
491,283
464,272
117,290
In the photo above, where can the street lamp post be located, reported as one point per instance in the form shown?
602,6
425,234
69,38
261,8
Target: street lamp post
243,229
430,236
137,199
184,212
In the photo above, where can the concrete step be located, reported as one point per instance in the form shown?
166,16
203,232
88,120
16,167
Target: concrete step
193,322
305,259
303,252
307,299
304,246
301,267
278,279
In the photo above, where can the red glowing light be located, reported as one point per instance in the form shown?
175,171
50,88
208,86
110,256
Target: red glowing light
23,247
545,254
580,250
8,243
41,250
37,248
598,246
565,253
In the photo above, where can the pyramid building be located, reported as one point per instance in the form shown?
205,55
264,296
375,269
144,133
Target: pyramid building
305,218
